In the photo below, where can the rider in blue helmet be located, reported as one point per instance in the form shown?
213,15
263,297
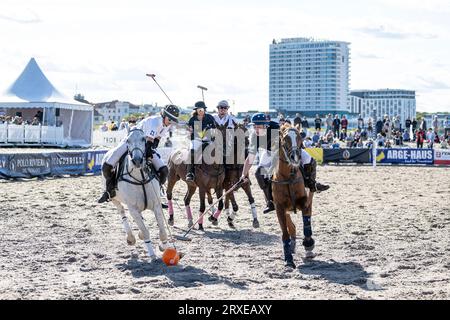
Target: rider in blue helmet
263,127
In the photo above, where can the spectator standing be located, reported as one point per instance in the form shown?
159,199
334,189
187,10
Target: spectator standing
305,125
446,125
379,126
336,126
436,124
423,125
344,123
420,138
408,124
318,123
370,127
360,122
329,122
297,119
430,138
123,125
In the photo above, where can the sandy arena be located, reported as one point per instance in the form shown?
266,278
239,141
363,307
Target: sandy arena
380,234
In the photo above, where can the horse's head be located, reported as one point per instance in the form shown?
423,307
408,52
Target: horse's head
136,146
291,144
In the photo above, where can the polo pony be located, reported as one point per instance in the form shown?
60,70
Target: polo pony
289,194
207,177
139,190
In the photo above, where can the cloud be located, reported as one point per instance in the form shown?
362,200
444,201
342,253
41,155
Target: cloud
432,84
368,56
382,32
28,17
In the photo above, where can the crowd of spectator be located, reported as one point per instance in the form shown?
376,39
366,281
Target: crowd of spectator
19,120
333,132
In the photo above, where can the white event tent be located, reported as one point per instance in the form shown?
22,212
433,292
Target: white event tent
63,122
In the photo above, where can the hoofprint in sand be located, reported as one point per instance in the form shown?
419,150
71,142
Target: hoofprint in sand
382,233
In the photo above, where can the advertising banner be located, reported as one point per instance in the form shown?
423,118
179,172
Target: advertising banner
27,165
68,163
94,161
347,155
405,156
316,153
442,157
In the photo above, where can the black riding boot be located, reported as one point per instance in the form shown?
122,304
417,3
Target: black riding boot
266,187
109,174
190,176
310,178
269,199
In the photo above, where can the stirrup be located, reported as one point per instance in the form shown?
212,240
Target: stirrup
190,177
317,187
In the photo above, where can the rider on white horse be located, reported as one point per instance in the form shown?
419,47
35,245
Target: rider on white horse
155,128
264,128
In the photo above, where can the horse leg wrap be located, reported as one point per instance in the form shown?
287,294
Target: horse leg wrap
170,204
217,213
149,247
307,229
253,209
188,213
287,251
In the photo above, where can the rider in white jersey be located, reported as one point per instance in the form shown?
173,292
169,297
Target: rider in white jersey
155,128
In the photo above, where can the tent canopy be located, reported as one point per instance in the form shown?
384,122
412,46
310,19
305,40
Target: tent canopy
32,90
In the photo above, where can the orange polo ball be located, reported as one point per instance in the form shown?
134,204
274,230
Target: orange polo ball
171,257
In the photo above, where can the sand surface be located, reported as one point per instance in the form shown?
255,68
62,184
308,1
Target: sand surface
380,234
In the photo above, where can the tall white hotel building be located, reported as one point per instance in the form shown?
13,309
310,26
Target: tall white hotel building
309,76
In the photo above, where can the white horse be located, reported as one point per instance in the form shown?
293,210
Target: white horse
139,190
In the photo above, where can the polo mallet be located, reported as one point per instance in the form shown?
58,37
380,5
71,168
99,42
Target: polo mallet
203,89
151,75
184,237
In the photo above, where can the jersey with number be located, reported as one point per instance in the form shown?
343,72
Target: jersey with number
153,127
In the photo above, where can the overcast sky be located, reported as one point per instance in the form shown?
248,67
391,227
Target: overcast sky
104,48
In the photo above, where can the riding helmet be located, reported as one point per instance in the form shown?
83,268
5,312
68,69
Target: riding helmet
172,111
260,119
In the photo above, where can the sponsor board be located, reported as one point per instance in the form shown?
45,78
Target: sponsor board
442,157
406,156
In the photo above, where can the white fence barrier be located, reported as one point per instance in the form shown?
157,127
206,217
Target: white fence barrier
18,134
108,138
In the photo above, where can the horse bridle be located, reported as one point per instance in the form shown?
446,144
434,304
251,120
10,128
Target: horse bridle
288,153
292,180
145,180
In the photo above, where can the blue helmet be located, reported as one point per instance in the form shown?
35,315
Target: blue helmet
260,118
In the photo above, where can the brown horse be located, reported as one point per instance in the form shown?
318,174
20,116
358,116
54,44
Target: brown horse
207,177
233,172
289,194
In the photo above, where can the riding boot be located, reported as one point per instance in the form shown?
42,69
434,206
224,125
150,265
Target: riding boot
162,174
269,199
109,174
266,187
190,176
310,177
